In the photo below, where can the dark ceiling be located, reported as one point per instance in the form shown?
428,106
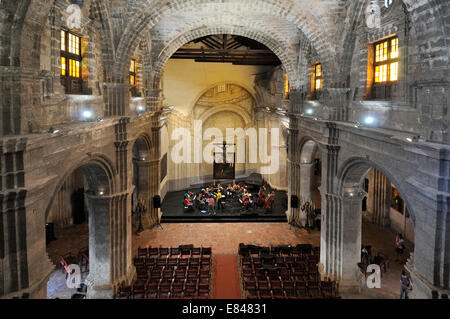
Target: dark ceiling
226,48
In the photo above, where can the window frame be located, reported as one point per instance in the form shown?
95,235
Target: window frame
133,73
386,62
72,82
315,77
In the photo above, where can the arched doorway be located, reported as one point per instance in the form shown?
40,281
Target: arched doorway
107,229
141,180
373,230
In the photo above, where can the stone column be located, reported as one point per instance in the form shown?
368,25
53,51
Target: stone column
340,240
99,279
380,192
109,260
351,276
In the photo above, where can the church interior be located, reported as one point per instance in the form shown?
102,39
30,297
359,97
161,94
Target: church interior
224,149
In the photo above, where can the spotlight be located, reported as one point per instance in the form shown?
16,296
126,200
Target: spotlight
409,139
140,109
369,120
309,111
87,115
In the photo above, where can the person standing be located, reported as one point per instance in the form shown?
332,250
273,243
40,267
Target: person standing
399,246
219,200
406,285
211,204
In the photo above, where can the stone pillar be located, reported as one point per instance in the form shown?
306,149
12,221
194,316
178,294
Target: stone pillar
340,240
109,245
351,276
380,193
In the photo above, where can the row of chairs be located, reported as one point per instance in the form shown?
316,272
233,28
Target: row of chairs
300,293
180,251
277,260
281,250
175,289
283,273
149,262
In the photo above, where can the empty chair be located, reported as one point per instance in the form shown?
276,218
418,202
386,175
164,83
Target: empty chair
315,293
203,288
161,261
288,285
252,294
180,274
153,252
265,294
246,261
278,294
247,272
172,261
285,274
249,284
164,251
183,262
192,275
177,289
256,261
139,262
150,262
196,251
167,274
174,251
151,290
206,251
302,293
125,292
262,285
194,261
275,285
206,261
142,252
138,291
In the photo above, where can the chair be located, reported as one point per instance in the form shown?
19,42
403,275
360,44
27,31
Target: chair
194,261
125,292
172,261
285,274
155,276
174,251
153,252
196,251
192,275
161,261
142,252
168,274
278,294
183,262
150,262
206,251
315,293
302,293
139,291
205,261
203,289
275,285
249,284
151,290
164,252
252,294
139,262
265,294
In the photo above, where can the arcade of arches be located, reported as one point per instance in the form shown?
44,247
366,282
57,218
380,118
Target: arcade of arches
350,99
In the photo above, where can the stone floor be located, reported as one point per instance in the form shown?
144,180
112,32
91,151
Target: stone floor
224,238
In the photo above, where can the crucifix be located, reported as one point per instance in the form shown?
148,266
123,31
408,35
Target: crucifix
224,156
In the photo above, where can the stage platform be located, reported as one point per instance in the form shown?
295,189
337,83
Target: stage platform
173,210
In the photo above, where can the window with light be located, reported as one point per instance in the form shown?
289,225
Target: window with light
71,75
287,87
316,77
386,61
133,72
70,54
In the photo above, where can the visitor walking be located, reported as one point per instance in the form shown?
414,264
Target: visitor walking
399,247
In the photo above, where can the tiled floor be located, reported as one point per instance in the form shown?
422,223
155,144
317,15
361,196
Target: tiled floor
224,238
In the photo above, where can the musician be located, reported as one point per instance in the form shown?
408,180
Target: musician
269,202
261,196
219,200
230,191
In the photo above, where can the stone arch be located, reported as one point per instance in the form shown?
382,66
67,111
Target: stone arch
227,108
352,172
240,84
298,14
142,147
275,45
99,173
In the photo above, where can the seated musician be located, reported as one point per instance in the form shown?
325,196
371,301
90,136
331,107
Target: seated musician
187,202
269,202
230,191
261,197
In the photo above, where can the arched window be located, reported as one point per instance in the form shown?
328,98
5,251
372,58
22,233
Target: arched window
133,72
385,67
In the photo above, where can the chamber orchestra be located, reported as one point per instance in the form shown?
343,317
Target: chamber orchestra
224,196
